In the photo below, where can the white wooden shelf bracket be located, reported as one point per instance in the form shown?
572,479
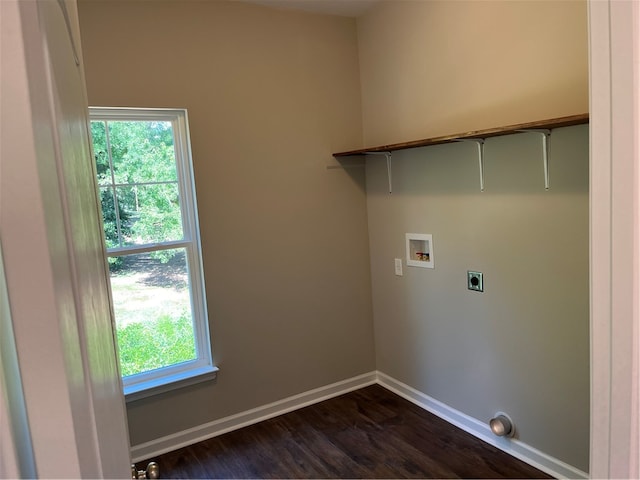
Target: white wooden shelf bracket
388,157
480,144
546,134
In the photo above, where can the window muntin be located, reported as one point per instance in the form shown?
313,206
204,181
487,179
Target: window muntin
145,179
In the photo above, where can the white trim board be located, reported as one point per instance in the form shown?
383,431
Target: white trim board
513,447
243,419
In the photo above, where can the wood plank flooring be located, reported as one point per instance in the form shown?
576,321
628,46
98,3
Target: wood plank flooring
368,433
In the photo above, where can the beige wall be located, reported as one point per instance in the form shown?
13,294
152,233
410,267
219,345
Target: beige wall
522,346
430,68
270,95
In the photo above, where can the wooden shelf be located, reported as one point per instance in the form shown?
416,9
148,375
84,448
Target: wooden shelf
490,132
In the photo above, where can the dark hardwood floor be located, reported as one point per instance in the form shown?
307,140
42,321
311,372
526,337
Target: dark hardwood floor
369,433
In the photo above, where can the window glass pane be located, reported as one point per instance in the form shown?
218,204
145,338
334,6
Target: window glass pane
142,151
150,214
100,152
109,217
152,310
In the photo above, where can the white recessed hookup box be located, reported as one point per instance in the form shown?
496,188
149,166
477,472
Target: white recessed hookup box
419,250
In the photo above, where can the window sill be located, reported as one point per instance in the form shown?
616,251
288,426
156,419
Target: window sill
168,383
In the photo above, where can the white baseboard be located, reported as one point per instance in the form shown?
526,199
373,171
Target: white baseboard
514,447
218,427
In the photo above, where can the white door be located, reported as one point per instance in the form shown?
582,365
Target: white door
52,246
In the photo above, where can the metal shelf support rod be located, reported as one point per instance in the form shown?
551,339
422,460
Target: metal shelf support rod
480,144
546,134
388,157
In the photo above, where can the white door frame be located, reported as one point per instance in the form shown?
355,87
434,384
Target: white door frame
614,49
16,452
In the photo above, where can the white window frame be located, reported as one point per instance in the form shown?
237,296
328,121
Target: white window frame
201,369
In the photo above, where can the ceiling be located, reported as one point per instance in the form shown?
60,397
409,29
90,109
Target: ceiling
346,8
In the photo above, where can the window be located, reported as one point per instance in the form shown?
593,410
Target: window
147,195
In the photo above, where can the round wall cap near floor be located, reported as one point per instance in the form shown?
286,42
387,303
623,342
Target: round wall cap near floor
501,425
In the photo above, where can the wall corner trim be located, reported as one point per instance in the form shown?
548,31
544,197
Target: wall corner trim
520,450
515,448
